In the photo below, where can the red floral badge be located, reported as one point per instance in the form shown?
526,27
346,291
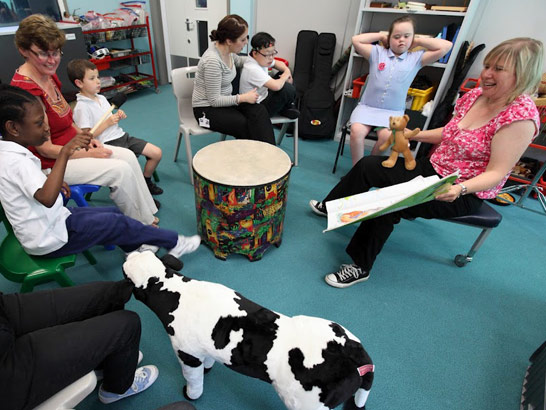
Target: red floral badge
381,66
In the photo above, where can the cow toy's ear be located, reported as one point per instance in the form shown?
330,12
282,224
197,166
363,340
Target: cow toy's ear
172,262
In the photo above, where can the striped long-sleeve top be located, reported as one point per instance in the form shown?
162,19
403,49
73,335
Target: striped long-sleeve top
213,80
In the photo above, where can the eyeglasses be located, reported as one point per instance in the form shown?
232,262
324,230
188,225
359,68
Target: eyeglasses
268,55
43,56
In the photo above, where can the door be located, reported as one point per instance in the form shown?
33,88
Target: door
186,28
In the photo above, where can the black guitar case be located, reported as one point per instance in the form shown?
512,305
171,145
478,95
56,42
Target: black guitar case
316,104
304,59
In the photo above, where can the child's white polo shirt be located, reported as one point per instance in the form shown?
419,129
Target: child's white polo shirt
254,76
88,112
41,230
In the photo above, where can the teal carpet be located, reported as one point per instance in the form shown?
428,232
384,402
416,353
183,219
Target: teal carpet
441,337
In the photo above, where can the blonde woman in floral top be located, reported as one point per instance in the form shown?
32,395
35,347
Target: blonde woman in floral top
490,129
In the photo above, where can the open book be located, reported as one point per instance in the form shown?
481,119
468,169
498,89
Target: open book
356,208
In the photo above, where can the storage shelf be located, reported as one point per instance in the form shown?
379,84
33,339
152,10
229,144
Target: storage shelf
147,77
419,12
104,30
133,59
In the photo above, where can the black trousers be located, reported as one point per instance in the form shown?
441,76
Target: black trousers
278,101
372,234
243,121
51,338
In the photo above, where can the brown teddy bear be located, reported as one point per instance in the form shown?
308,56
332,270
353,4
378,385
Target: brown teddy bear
400,142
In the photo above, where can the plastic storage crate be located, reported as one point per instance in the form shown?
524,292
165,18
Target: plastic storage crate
420,97
357,85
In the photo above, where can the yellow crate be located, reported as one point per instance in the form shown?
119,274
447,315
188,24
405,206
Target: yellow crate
420,97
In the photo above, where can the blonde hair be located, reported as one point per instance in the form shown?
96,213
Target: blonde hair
524,55
41,31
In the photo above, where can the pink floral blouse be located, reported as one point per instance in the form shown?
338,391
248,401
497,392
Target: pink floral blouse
469,150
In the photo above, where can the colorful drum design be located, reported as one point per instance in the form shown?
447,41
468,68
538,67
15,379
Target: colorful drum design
240,196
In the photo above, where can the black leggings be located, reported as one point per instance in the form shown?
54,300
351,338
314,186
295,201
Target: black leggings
243,121
51,338
372,234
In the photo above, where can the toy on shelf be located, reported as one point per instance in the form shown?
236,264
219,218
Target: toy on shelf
399,140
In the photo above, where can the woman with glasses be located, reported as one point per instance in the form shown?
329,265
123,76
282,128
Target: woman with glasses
39,42
277,94
214,105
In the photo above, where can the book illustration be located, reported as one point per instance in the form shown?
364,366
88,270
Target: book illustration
371,204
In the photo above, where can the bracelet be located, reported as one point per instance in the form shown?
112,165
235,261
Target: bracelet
237,98
464,190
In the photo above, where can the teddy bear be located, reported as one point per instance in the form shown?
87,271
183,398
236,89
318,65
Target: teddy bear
399,140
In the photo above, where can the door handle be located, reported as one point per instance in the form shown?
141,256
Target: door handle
190,25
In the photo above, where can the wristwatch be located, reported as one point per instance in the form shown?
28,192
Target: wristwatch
464,190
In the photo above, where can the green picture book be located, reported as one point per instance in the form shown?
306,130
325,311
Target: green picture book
356,208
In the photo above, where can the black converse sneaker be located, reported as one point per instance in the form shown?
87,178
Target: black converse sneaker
318,207
347,275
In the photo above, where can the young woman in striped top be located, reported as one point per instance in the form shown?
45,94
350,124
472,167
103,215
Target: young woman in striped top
212,100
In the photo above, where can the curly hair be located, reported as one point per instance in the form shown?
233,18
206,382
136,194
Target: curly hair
39,30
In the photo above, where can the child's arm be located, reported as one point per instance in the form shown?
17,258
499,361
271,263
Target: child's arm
436,48
53,151
47,195
286,76
111,120
363,43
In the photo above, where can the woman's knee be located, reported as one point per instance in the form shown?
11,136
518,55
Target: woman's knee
122,171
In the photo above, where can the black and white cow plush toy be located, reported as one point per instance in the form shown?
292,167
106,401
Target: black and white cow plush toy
312,363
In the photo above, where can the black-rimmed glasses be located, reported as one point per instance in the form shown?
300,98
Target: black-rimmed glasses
268,55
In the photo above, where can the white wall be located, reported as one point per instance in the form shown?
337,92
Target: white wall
505,19
283,19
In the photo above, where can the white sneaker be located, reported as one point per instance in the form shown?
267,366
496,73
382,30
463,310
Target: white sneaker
146,247
185,244
144,377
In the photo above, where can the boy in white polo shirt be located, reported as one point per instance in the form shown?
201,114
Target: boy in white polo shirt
91,106
33,204
277,94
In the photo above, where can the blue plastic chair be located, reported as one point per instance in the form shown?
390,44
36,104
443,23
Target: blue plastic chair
80,193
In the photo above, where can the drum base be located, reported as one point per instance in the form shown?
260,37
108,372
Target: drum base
253,255
243,220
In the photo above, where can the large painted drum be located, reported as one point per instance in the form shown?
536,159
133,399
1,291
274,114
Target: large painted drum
240,196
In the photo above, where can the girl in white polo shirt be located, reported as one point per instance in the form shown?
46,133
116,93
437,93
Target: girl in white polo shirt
33,204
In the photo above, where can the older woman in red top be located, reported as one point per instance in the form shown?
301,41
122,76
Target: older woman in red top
40,42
